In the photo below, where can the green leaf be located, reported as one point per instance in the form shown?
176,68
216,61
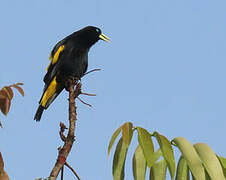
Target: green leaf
207,175
223,164
119,160
182,170
158,170
139,164
210,161
191,157
127,133
113,138
157,155
167,152
145,141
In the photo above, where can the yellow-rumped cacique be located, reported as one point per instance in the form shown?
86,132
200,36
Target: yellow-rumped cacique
69,58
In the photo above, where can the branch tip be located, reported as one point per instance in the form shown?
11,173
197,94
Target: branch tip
66,164
92,71
84,102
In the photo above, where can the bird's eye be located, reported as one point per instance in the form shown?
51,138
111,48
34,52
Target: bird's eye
97,30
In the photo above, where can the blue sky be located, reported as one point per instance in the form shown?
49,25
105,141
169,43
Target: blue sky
163,70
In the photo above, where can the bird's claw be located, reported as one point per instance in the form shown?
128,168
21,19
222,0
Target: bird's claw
71,80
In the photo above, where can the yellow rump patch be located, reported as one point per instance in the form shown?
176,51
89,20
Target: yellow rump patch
49,92
55,56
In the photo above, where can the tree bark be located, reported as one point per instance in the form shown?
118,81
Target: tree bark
65,150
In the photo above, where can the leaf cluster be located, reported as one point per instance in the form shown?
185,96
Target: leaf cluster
6,96
198,161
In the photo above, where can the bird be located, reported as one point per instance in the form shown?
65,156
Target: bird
68,58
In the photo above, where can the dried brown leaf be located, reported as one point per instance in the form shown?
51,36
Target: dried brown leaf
3,94
6,95
19,84
1,162
5,105
3,174
21,91
8,91
2,103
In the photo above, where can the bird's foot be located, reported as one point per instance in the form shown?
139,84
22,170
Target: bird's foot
71,80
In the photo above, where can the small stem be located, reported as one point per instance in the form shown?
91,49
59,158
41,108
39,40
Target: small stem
88,94
91,71
84,102
134,128
62,173
173,143
66,164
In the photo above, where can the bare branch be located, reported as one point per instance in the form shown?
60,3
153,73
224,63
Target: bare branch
84,102
66,164
65,150
62,173
87,94
91,71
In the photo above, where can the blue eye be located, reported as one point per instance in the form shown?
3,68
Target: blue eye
97,30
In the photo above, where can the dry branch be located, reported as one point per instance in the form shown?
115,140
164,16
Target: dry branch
69,140
66,164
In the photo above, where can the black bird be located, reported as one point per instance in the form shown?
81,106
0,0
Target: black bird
69,58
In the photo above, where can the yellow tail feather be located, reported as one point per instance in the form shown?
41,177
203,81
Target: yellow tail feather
49,92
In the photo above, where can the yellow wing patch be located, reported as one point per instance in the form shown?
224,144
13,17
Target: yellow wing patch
49,92
55,56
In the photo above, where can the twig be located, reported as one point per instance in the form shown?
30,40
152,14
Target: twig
65,150
66,164
62,173
62,129
84,102
87,94
91,71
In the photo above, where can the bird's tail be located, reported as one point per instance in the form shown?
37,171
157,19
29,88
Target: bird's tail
38,113
41,108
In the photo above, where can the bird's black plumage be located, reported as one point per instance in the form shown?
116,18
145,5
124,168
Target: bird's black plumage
69,58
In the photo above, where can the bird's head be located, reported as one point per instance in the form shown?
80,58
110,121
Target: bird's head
90,35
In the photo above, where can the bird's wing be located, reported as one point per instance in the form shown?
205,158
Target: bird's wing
54,60
50,93
52,88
